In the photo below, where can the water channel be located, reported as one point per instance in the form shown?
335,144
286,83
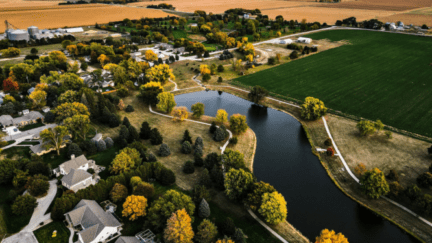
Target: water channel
284,159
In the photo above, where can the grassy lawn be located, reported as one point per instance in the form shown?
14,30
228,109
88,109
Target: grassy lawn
104,159
16,153
378,76
41,49
29,143
31,126
44,234
179,34
55,160
211,46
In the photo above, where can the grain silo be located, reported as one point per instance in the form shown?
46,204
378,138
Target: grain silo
33,30
18,35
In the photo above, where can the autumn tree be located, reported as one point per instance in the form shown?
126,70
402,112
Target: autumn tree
70,81
328,236
238,124
72,49
24,205
312,109
366,127
180,113
204,69
118,193
164,206
166,102
57,57
150,55
237,183
160,73
54,138
134,207
11,52
69,96
66,110
10,84
360,169
38,98
122,163
103,59
225,240
150,91
233,159
207,232
257,94
258,189
143,189
221,116
374,184
198,109
273,208
179,228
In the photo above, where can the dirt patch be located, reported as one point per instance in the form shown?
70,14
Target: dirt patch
197,37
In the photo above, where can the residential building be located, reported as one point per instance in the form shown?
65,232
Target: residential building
76,163
92,223
143,237
76,180
28,117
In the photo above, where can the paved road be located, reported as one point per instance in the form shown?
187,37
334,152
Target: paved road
26,135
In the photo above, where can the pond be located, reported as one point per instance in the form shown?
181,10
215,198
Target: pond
284,159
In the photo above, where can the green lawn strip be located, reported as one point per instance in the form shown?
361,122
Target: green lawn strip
8,143
29,143
104,159
179,34
31,126
55,160
378,76
44,234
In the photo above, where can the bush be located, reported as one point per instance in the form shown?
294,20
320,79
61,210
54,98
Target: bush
144,189
228,227
129,108
330,152
328,142
272,61
186,137
233,141
101,145
425,27
167,177
114,121
199,142
396,190
425,180
198,109
295,47
198,160
109,142
91,171
164,150
74,149
374,184
213,128
412,192
312,109
294,55
219,135
206,54
388,134
90,147
211,160
189,167
199,193
186,147
145,131
24,205
220,79
38,185
393,175
155,137
206,77
151,157
220,68
84,66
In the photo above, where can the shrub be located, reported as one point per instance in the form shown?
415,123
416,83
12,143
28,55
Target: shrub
393,175
220,68
206,77
101,145
180,113
330,152
11,52
145,131
84,66
425,27
155,137
167,177
388,134
412,192
38,185
198,151
129,108
144,189
204,209
186,147
272,61
213,128
396,190
187,137
424,179
228,227
425,203
114,121
189,167
151,157
239,236
219,135
212,159
312,109
133,134
328,142
373,183
206,54
198,109
199,193
164,150
198,160
294,55
207,232
238,124
109,142
74,149
199,142
233,141
220,79
126,122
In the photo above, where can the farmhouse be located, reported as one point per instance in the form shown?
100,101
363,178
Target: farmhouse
304,40
92,223
29,117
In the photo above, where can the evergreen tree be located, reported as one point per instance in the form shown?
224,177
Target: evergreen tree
217,177
198,160
151,157
186,148
219,135
109,142
145,131
239,236
199,142
155,137
123,143
164,150
188,167
204,209
133,134
75,150
198,151
228,227
205,179
101,145
213,127
187,137
114,121
126,122
124,133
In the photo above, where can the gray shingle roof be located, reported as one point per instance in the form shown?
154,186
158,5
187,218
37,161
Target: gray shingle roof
127,239
32,115
74,163
92,218
75,176
6,120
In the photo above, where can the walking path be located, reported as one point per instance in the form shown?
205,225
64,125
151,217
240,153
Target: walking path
266,226
71,234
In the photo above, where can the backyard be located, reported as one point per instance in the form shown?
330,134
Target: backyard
376,76
45,234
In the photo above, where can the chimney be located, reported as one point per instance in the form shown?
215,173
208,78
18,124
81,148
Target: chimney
72,156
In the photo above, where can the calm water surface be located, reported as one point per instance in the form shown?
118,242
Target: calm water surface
284,159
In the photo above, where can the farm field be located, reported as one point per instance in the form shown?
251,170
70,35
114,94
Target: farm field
378,76
415,19
77,16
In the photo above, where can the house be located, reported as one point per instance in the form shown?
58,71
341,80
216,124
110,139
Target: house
179,50
142,237
105,84
29,117
87,78
92,223
76,163
77,179
161,56
304,40
193,25
29,91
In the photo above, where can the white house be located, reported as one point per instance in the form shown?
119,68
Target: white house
142,237
92,223
286,41
77,179
77,163
304,40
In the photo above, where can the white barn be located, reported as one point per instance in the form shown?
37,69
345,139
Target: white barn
304,40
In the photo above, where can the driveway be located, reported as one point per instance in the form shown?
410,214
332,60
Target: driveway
22,237
26,135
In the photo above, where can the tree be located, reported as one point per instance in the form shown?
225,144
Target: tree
57,57
150,91
37,185
150,55
228,227
79,125
180,113
155,137
11,52
68,97
179,228
238,124
221,116
66,43
118,193
66,110
204,69
163,207
103,59
84,66
74,149
220,68
10,84
273,208
412,192
133,134
207,232
237,183
54,138
145,131
360,169
219,135
186,137
213,127
71,81
7,168
72,49
225,240
166,102
122,163
257,94
254,198
366,127
186,147
101,145
24,205
134,207
396,190
204,209
188,167
160,73
109,142
233,159
425,203
328,236
374,184
164,150
312,109
144,189
198,109
239,236
121,105
425,179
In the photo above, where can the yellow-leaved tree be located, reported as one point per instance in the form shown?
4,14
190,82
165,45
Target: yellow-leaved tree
179,228
238,124
273,208
313,108
180,113
79,125
110,67
57,57
125,160
249,58
221,116
38,98
166,102
204,69
103,59
150,91
134,207
328,236
72,49
160,73
150,55
225,241
67,109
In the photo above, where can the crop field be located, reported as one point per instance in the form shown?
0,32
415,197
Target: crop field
378,76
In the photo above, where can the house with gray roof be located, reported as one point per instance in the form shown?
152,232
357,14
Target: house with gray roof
92,223
142,237
77,163
28,118
76,180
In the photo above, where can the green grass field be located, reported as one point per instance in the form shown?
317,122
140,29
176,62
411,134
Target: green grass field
179,34
377,76
44,234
